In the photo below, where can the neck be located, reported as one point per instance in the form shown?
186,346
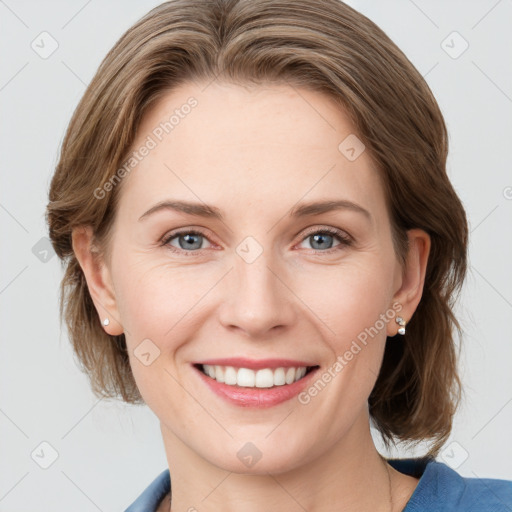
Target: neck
349,476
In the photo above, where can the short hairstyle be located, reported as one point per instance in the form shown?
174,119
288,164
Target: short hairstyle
321,45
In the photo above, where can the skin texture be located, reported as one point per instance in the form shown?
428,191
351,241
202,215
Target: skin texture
255,153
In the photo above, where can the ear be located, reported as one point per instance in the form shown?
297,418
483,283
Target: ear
98,279
410,279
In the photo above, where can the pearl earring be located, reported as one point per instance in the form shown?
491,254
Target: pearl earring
401,322
106,321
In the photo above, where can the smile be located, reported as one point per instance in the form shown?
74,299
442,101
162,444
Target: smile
262,378
256,388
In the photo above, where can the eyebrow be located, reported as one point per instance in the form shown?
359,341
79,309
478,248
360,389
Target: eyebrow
197,209
319,207
301,210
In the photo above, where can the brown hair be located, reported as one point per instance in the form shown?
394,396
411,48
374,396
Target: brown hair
322,45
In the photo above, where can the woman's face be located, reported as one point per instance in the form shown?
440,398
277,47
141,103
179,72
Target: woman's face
259,281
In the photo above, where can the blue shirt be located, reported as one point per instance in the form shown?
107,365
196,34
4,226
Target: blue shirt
440,488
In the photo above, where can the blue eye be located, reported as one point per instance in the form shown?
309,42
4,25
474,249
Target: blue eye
187,240
190,241
324,237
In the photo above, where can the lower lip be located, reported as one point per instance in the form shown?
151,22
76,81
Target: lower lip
256,397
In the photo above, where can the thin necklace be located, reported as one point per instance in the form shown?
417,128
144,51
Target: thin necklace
389,484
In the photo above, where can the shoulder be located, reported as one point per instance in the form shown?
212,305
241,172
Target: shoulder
151,497
471,494
443,488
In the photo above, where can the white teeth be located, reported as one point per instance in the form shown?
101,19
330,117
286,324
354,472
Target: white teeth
279,378
264,378
245,377
219,374
229,375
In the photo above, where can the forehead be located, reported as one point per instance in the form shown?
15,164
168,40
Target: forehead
265,146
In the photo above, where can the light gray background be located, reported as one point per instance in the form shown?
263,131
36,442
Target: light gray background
107,451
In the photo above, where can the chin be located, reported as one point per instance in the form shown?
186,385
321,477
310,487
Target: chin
259,458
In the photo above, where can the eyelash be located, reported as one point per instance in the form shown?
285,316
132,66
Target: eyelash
344,239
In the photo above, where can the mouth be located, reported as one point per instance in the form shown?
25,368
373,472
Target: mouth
263,378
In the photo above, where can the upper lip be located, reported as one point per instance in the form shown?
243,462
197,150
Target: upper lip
256,364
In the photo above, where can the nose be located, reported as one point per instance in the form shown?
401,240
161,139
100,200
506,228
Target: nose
259,299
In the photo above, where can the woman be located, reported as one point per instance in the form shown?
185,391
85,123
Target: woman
218,147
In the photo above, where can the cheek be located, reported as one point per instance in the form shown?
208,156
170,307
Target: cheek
352,303
154,306
351,298
161,307
153,297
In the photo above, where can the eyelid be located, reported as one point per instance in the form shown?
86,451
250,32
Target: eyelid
164,241
331,230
